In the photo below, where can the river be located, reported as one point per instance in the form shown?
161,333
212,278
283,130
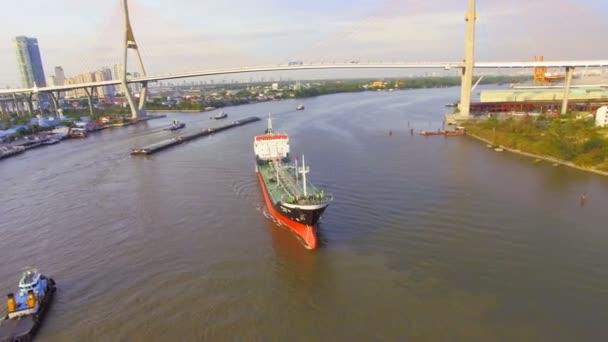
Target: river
427,239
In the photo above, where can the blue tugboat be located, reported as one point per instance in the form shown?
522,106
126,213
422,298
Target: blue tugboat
176,125
219,116
26,308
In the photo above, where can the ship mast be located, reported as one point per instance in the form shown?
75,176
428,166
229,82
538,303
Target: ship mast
297,178
304,171
269,129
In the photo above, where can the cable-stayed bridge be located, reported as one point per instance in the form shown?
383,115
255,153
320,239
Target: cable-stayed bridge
467,65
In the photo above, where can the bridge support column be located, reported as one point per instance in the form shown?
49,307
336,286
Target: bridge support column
30,105
469,62
90,98
55,103
39,100
143,96
569,75
127,92
16,105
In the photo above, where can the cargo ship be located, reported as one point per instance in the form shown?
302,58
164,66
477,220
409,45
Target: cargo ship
289,195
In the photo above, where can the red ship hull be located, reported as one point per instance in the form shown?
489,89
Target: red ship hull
305,232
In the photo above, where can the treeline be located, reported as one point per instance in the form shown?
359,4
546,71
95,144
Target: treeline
437,82
331,88
156,105
566,138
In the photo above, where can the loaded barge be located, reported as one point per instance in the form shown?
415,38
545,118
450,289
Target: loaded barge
161,145
289,195
26,308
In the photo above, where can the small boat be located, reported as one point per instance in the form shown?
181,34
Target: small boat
26,308
300,107
499,149
8,151
219,116
78,133
176,125
428,133
51,141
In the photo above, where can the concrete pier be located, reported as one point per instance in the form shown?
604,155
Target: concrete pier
161,145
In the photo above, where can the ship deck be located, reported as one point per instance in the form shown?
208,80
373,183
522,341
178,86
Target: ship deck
287,185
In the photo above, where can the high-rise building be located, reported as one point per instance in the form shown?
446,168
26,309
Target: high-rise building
51,81
59,76
117,72
29,62
105,74
87,77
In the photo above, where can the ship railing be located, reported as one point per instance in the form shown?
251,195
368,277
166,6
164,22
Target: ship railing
288,183
316,198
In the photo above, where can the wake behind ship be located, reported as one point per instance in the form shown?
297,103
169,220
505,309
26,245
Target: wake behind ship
290,197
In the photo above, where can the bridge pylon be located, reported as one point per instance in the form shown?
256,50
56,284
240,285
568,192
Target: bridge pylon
137,110
469,61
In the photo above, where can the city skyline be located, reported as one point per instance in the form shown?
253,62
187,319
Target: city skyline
195,36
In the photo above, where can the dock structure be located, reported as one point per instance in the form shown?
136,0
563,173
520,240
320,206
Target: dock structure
161,145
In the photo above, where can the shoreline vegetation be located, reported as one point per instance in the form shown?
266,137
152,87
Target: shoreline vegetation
245,95
571,140
224,95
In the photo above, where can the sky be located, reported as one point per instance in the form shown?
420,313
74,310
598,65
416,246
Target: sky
187,35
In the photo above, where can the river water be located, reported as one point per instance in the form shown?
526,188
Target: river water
428,239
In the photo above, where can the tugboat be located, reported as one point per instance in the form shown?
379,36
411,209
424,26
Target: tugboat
26,308
176,125
290,198
300,107
219,116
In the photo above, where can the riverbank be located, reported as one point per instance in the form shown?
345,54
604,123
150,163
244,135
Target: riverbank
48,138
585,147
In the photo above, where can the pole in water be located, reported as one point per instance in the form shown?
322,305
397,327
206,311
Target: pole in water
583,199
390,133
411,131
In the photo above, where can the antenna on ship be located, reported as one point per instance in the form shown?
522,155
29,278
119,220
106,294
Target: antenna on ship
297,171
304,171
269,129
